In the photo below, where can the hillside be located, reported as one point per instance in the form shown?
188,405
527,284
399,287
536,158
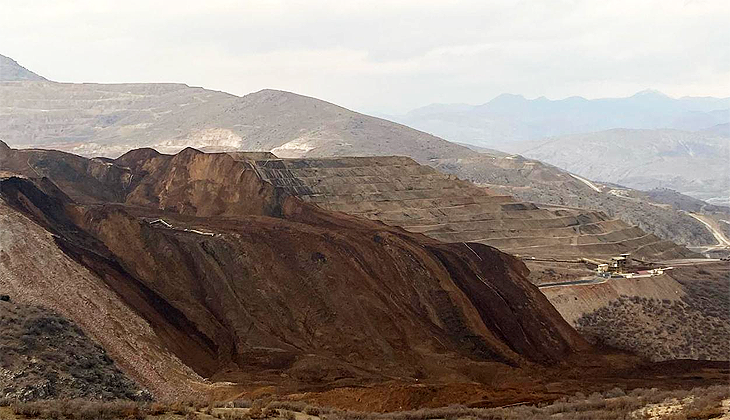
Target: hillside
108,120
44,356
208,272
680,315
533,181
400,192
95,119
507,119
694,164
11,71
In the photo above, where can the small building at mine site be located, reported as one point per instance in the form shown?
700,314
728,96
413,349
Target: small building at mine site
617,264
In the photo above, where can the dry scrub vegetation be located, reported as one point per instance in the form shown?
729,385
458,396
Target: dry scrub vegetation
695,327
45,356
698,403
659,329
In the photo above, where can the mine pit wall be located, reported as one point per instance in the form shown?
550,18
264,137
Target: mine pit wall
575,301
399,192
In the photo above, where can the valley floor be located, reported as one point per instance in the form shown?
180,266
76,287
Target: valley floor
652,404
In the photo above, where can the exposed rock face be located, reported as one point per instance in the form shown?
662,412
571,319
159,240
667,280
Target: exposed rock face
240,280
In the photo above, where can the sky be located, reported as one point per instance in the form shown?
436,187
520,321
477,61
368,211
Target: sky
381,56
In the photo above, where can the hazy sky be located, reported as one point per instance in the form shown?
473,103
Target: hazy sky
383,56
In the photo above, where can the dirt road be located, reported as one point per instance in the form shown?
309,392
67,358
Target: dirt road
720,237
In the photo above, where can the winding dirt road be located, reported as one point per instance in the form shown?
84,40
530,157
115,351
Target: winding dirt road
722,240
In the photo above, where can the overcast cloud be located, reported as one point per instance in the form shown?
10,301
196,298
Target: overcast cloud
379,55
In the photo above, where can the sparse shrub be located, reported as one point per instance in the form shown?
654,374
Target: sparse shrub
242,403
155,409
270,412
26,409
312,410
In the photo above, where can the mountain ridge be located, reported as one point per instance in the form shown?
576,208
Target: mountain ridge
12,71
510,118
694,163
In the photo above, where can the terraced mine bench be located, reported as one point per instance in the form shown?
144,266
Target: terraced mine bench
398,191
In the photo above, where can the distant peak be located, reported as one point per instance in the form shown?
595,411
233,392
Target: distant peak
272,93
11,71
509,96
650,93
507,99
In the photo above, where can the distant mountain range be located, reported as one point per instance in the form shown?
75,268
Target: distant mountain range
511,118
645,141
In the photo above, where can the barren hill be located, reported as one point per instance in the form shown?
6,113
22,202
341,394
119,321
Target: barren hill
208,268
108,120
549,186
11,71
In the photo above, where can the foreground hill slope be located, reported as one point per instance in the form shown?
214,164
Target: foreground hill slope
35,270
243,283
45,356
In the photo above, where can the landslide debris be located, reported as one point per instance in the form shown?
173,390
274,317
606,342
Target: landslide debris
246,283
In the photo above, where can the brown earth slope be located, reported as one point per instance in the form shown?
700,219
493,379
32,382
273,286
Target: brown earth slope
244,283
